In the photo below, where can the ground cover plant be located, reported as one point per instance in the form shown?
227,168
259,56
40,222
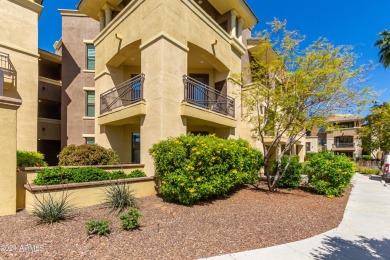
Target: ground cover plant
98,227
368,171
30,159
76,175
131,220
87,154
330,174
197,168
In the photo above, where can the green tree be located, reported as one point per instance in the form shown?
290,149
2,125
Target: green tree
384,48
375,133
292,89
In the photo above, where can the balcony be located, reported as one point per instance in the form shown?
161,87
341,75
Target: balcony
9,71
124,103
343,147
203,105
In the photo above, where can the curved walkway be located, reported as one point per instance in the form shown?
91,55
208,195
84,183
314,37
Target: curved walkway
364,232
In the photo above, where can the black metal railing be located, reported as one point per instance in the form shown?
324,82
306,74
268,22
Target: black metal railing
201,95
344,145
126,93
7,67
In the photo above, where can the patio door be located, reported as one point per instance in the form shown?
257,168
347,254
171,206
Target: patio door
200,95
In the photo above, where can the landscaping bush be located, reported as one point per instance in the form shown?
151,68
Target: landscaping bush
120,197
292,177
367,157
30,159
130,220
98,227
369,171
50,209
136,174
75,175
309,155
330,174
87,154
197,168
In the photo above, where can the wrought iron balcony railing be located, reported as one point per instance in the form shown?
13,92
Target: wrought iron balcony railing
126,93
201,95
343,145
7,67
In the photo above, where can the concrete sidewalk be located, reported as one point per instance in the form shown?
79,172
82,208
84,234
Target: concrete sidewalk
364,232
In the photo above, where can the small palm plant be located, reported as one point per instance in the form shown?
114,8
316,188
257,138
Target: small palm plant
119,197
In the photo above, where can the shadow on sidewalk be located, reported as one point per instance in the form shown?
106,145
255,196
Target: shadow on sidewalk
364,248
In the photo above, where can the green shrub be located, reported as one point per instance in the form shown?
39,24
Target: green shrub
120,197
197,168
367,157
330,174
98,227
292,177
52,209
75,175
136,174
87,154
309,155
369,171
30,159
130,220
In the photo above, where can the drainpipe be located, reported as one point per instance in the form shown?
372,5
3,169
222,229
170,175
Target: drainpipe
102,20
108,12
1,82
233,23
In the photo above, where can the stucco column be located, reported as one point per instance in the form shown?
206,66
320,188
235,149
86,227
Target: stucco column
233,23
102,20
164,63
240,25
8,107
108,14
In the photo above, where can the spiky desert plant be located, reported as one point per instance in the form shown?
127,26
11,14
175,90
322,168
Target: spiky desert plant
119,197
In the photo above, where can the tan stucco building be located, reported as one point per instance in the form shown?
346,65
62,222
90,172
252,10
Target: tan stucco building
342,138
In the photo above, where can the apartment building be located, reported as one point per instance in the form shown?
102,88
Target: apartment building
78,72
162,69
341,138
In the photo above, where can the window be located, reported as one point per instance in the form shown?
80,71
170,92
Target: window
90,102
90,140
307,146
90,57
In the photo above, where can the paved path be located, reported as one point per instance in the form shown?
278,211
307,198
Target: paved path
364,232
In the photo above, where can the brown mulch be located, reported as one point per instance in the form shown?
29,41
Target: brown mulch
249,219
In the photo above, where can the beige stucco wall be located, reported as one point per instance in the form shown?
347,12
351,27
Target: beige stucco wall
8,111
88,196
19,38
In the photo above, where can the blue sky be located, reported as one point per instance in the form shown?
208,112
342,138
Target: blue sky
343,22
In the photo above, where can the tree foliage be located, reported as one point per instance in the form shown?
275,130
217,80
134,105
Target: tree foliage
375,133
384,48
292,89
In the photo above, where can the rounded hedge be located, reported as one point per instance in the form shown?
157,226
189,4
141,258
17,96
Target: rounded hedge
30,159
197,168
330,174
87,154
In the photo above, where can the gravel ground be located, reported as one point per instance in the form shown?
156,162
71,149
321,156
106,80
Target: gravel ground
249,219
